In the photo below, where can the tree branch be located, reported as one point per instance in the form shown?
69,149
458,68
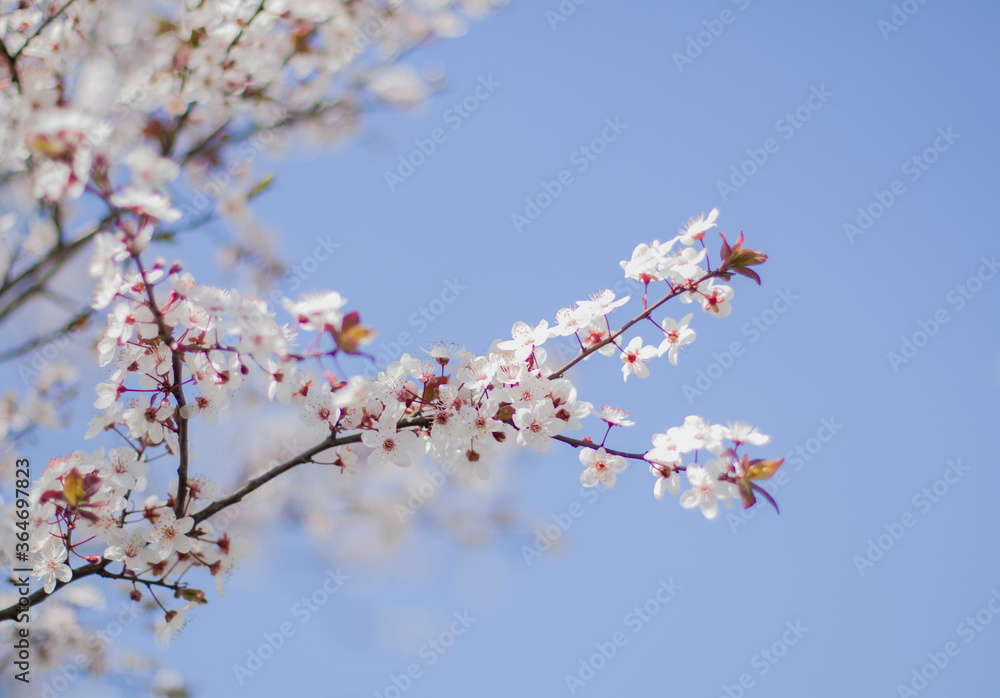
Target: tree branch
11,612
584,353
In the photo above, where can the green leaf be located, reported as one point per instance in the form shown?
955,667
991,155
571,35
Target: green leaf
261,186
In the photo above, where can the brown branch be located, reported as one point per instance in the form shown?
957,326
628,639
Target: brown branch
11,612
261,480
57,257
166,335
138,580
203,144
304,457
580,443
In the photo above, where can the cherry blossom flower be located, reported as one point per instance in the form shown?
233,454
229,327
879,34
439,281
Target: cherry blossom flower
135,550
600,467
595,333
696,434
49,567
200,488
567,407
678,335
318,412
58,139
529,390
707,490
665,482
525,339
743,433
635,357
148,422
345,459
103,420
443,352
147,203
477,372
388,444
697,227
149,169
172,624
108,394
569,321
614,416
282,383
232,551
124,470
536,424
168,536
685,264
645,263
665,449
400,84
716,300
601,303
208,407
319,312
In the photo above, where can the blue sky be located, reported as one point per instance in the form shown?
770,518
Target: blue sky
834,106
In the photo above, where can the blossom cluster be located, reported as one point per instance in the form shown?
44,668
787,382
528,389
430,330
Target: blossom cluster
177,349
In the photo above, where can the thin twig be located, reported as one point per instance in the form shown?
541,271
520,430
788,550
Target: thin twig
584,353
